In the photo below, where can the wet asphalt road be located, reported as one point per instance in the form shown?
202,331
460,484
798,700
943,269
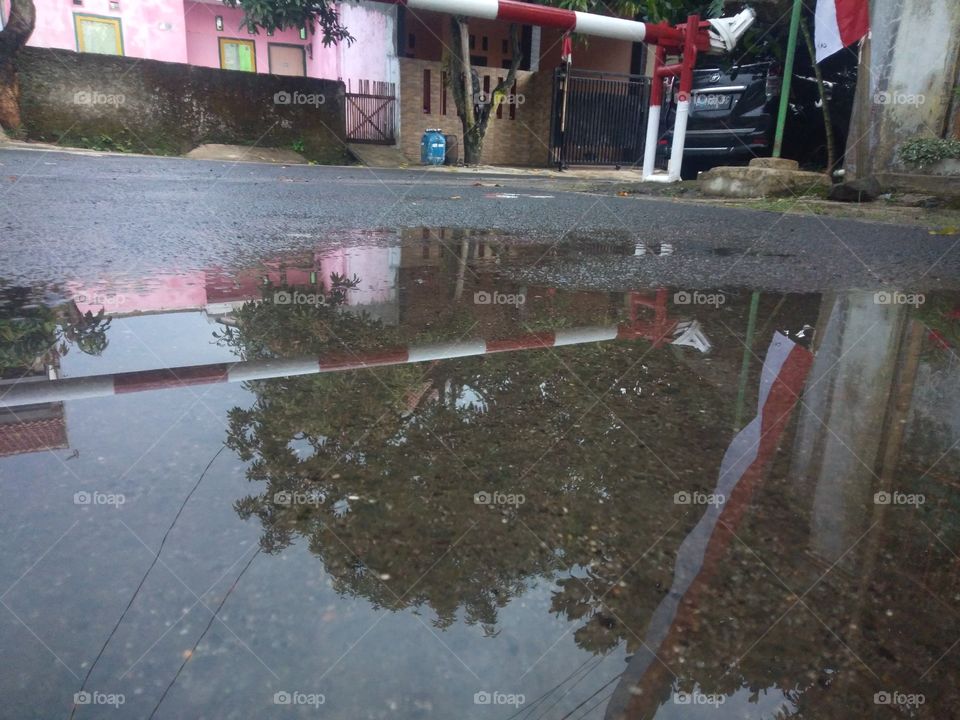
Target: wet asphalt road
78,216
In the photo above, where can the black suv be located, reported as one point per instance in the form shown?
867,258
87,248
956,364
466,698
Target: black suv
733,114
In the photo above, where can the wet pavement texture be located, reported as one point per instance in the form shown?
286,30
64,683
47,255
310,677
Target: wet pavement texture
102,214
401,474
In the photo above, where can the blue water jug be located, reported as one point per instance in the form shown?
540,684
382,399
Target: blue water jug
433,147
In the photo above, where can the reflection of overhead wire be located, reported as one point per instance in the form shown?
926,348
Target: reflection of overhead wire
528,709
203,634
156,558
592,695
570,689
593,707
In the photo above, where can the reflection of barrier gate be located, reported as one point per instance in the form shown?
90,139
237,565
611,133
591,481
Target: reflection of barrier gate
658,330
370,118
603,120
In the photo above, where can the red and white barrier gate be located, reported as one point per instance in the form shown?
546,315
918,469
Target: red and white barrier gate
718,35
658,330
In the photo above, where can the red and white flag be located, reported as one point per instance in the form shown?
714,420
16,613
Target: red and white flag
840,23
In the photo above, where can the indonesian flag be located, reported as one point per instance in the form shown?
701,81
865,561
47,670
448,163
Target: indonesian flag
567,55
838,24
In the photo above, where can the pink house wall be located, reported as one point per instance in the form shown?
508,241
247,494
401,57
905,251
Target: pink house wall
181,291
150,28
203,38
373,54
325,62
185,31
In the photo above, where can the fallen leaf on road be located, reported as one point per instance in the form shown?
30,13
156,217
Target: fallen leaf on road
946,231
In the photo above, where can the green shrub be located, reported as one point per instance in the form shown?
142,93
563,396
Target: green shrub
921,152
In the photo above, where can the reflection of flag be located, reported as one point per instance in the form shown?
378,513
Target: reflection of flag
743,466
840,23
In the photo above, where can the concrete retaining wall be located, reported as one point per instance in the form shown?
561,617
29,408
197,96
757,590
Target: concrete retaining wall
169,108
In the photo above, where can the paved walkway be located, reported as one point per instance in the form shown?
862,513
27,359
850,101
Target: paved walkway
583,173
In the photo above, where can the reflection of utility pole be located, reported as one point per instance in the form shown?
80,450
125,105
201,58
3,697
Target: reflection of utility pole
841,427
461,267
892,442
747,351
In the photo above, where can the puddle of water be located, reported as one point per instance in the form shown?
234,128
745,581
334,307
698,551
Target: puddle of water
389,481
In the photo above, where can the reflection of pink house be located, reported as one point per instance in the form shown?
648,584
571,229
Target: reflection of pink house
218,291
207,33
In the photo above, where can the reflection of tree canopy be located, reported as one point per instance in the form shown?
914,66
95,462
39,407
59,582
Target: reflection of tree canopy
31,330
396,454
393,457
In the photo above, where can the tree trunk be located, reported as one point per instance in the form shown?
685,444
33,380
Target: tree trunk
827,120
461,79
13,37
474,118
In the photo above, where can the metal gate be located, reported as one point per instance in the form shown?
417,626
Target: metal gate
371,118
599,118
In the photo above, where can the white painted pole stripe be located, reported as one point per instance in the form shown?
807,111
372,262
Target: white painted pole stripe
486,9
445,351
577,336
30,393
679,141
610,27
266,369
653,137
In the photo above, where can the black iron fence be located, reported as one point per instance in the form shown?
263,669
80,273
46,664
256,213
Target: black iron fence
599,118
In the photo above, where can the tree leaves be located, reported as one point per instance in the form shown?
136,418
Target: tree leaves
283,14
